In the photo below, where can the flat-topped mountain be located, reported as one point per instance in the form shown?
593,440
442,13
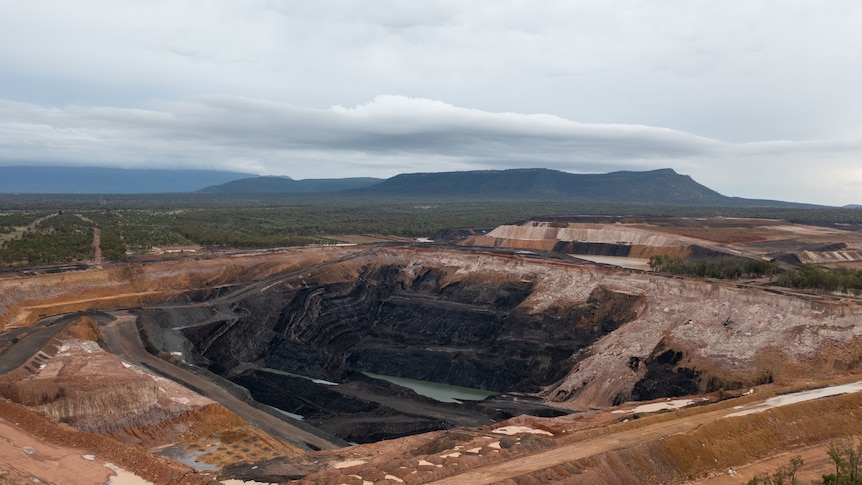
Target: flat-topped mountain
663,186
653,187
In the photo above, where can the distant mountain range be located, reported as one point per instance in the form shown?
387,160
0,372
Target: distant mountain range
654,187
663,186
286,185
99,180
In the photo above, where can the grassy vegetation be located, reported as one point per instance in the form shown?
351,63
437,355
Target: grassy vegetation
714,267
135,223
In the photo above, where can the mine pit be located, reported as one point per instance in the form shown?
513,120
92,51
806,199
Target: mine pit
287,359
344,348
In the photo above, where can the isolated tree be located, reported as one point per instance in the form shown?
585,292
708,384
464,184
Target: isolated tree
847,457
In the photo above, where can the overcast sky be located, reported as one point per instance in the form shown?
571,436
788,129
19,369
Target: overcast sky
752,98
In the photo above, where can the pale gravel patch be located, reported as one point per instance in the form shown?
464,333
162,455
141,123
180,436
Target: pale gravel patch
658,406
513,430
797,397
124,477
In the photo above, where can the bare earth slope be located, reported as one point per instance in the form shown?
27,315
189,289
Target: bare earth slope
598,337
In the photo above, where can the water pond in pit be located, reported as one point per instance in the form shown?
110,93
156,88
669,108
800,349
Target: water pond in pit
436,390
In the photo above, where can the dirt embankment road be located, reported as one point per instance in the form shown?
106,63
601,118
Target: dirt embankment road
573,449
578,450
122,339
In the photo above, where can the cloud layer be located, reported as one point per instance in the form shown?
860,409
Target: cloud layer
393,134
752,98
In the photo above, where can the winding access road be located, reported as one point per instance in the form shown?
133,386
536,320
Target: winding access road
122,339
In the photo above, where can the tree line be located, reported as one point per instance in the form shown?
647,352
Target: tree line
811,277
722,267
846,456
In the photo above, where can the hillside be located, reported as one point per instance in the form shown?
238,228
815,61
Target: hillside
286,185
655,187
564,341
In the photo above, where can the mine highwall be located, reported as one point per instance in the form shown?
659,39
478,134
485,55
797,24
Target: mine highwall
24,298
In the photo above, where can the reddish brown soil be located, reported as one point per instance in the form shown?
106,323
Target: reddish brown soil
136,460
800,338
694,445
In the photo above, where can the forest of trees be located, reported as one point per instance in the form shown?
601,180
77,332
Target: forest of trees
61,238
830,280
135,223
805,277
723,267
277,223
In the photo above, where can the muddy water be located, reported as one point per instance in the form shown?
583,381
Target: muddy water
436,390
623,262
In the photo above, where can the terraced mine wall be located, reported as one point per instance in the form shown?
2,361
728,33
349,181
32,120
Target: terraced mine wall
25,297
585,238
390,318
461,333
578,335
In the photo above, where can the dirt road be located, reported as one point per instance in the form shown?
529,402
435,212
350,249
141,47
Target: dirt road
578,450
573,450
122,339
97,246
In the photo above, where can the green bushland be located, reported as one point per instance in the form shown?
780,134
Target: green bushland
19,218
61,238
136,223
812,277
723,267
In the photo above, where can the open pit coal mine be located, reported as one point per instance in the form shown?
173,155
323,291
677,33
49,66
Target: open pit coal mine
306,346
289,342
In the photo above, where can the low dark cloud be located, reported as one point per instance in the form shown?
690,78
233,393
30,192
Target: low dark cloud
385,136
747,97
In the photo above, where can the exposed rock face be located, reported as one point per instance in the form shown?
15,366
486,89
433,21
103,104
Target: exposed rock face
408,322
24,298
578,335
664,377
584,336
585,238
392,316
100,395
93,391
